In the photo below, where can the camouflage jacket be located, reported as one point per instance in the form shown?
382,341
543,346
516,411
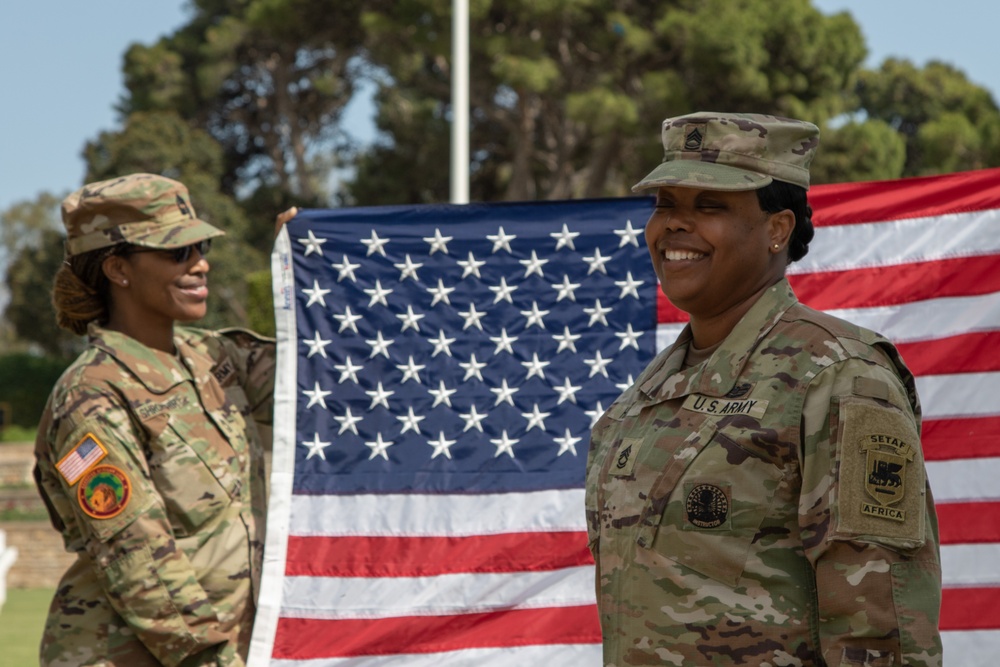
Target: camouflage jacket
152,468
768,506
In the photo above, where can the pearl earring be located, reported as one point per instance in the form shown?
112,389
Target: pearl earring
777,247
125,282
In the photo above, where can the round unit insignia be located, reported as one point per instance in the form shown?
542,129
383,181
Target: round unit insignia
104,492
707,506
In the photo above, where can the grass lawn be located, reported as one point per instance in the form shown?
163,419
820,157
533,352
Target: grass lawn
21,622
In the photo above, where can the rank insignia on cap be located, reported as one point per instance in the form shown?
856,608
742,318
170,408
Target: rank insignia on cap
885,482
707,506
104,492
693,139
88,452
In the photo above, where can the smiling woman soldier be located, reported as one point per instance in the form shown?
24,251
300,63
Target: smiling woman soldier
149,455
758,496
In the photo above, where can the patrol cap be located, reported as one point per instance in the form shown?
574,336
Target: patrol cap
733,151
143,209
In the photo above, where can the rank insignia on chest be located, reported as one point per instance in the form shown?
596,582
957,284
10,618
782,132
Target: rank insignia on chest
885,479
624,459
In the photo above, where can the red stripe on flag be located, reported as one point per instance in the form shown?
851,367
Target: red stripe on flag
898,284
433,556
969,523
852,203
970,609
306,639
950,439
968,353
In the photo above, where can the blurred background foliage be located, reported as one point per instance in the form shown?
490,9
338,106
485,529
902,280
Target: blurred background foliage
245,104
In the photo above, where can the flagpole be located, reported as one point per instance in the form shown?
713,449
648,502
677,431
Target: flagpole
460,102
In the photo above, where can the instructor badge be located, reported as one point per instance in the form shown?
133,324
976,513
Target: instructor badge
885,482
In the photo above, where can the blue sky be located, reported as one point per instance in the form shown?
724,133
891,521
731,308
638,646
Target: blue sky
60,69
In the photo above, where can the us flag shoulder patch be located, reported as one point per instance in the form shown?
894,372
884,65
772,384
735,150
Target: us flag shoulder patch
87,453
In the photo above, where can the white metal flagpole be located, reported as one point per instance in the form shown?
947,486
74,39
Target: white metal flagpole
460,102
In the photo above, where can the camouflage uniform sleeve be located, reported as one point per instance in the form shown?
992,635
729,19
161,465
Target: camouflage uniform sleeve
256,359
146,577
868,522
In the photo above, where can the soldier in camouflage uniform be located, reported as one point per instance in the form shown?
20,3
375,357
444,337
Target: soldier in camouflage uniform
758,496
150,453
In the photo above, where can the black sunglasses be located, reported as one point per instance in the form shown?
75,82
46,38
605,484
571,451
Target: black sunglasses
179,255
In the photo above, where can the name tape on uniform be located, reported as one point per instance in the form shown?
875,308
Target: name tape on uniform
721,406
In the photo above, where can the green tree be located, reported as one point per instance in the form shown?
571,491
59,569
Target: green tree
566,95
859,151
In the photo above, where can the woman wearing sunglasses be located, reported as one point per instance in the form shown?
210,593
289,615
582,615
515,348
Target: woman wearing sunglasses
150,453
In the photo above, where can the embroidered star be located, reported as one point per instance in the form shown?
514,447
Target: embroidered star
597,313
410,421
536,418
378,447
566,289
348,422
316,294
408,269
441,343
380,345
567,340
316,345
471,266
503,291
630,338
440,293
410,319
347,320
410,370
312,244
595,414
438,242
472,368
629,286
375,244
472,419
504,393
597,262
567,392
628,235
501,240
503,342
346,270
442,394
504,444
598,365
378,294
535,315
441,446
316,396
626,384
316,447
535,367
567,443
533,265
564,238
348,370
472,317
380,397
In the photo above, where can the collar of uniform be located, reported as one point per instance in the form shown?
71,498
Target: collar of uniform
718,375
156,370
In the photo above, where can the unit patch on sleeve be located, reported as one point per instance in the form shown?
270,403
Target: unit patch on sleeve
89,451
881,481
104,492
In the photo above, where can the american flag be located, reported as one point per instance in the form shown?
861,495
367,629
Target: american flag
440,368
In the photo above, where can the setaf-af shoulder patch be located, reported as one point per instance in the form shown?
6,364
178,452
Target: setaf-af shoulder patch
881,481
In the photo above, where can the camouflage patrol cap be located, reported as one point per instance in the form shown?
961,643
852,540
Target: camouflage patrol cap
143,209
733,151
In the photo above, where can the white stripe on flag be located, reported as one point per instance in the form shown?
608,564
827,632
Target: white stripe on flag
959,395
970,565
930,319
397,515
964,480
442,595
970,648
558,655
843,247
